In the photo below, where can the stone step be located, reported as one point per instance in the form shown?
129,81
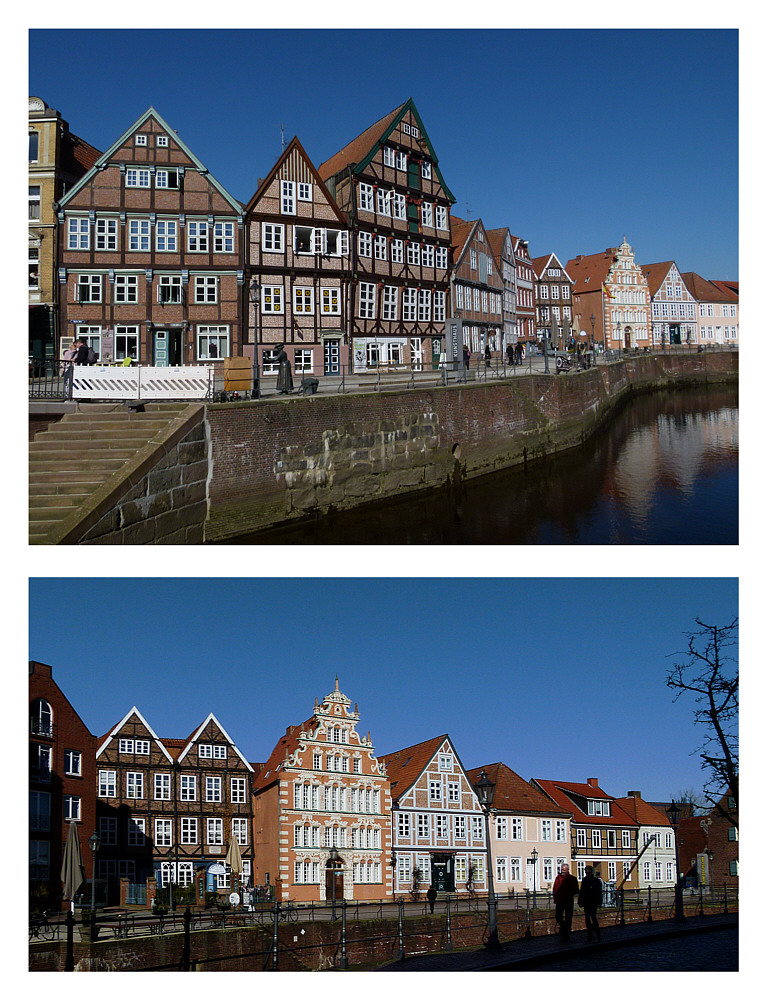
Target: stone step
52,482
66,465
57,500
47,514
79,428
64,446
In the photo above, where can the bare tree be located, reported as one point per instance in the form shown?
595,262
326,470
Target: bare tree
711,673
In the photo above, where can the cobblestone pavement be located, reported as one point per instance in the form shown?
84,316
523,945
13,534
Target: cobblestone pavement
663,945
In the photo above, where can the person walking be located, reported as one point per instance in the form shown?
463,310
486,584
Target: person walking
465,352
590,900
563,891
431,897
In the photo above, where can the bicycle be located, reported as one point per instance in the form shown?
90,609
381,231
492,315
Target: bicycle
289,912
40,926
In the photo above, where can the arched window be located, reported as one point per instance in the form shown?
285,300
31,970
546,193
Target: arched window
41,718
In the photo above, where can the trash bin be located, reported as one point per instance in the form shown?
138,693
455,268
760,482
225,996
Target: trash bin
309,386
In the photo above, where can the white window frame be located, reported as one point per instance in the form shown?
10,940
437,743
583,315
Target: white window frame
167,180
163,833
214,788
126,288
106,234
73,763
139,236
78,233
304,300
330,299
389,302
72,808
161,786
197,236
188,831
396,251
138,177
224,237
134,784
214,831
366,303
166,236
272,237
409,305
287,197
217,336
365,197
272,300
441,217
206,289
171,282
188,788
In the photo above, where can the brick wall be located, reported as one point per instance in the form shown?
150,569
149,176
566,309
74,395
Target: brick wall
282,459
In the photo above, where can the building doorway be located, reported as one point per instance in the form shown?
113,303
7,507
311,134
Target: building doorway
332,356
674,333
167,348
443,873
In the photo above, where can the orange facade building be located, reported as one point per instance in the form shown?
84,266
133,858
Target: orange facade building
322,811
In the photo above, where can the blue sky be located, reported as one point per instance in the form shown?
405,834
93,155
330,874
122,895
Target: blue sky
572,138
561,678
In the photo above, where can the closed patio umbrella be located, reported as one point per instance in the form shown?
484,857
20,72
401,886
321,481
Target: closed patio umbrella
234,861
72,870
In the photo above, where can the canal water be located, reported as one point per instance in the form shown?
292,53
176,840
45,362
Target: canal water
664,472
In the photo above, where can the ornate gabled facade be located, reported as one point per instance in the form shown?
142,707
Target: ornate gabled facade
672,306
169,808
554,298
477,288
526,292
438,827
151,254
322,811
388,183
297,269
610,288
57,160
524,821
502,248
602,833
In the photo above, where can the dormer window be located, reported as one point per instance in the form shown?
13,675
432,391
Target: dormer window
598,807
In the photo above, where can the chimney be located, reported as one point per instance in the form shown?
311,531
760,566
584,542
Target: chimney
41,669
593,782
634,795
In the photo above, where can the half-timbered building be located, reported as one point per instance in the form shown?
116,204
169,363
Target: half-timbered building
438,826
530,834
477,288
526,291
673,308
602,833
502,248
322,811
611,287
388,182
297,268
553,297
168,808
151,254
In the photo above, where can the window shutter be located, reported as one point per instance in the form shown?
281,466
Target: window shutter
344,243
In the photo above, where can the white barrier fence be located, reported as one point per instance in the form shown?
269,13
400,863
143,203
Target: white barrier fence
141,382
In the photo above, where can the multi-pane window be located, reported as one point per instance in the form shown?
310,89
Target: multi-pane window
380,248
197,237
188,830
272,299
71,808
137,177
166,238
441,217
366,197
560,831
396,251
163,833
409,304
137,831
126,288
501,827
414,253
403,824
441,257
237,789
272,237
138,234
398,206
364,244
460,827
581,838
212,342
288,197
383,201
206,288
331,302
108,830
223,237
73,762
107,784
106,234
428,255
240,830
596,839
188,787
441,826
212,788
169,288
162,786
78,234
389,156
425,305
303,299
88,288
401,161
501,869
167,179
439,313
367,301
422,825
134,784
626,839
304,191
546,829
426,170
389,303
34,203
453,791
214,833
426,213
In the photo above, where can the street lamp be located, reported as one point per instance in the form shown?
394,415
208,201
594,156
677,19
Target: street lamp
334,857
485,789
592,321
255,292
710,855
673,814
534,856
94,842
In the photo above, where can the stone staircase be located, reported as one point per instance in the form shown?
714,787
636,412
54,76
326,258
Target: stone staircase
73,458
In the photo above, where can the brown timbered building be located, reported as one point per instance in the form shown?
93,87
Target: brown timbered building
500,241
150,254
169,808
526,295
477,288
297,268
554,299
388,182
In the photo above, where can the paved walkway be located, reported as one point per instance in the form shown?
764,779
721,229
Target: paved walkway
538,951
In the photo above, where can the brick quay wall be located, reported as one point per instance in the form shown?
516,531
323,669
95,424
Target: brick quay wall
278,460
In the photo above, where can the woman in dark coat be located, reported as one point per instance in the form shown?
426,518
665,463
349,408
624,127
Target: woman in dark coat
284,375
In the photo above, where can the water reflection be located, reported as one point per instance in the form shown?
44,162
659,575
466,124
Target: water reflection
664,472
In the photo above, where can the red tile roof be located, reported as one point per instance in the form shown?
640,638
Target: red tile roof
267,773
559,792
731,288
460,231
590,272
405,766
513,793
706,291
643,812
655,274
359,147
83,153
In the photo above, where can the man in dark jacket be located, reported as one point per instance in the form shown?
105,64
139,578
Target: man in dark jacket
591,899
565,888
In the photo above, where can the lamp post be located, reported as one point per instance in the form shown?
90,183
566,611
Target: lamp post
534,857
485,789
592,321
334,857
673,814
254,292
710,854
94,842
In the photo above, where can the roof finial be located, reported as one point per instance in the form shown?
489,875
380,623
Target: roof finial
337,682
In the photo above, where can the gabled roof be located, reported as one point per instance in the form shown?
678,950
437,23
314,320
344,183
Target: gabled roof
706,291
589,273
104,159
656,274
212,718
496,239
405,766
462,231
294,146
269,772
85,155
113,733
513,793
730,288
642,812
540,265
359,152
565,794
